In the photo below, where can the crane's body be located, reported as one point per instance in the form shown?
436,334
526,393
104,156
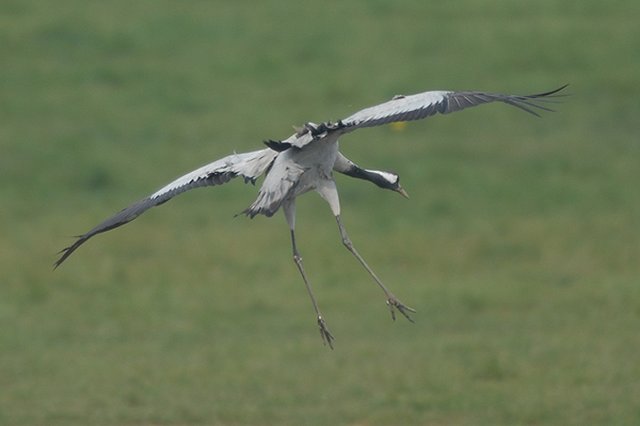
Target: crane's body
295,172
306,161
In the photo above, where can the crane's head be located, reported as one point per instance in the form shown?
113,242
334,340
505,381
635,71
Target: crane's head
386,180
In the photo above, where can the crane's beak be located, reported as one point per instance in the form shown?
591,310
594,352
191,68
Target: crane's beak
402,192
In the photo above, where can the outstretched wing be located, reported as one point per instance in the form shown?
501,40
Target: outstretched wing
422,105
249,165
419,106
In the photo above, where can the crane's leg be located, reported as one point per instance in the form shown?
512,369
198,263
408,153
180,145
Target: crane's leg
327,189
392,302
327,337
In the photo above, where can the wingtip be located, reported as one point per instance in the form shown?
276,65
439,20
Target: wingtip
67,251
553,92
559,89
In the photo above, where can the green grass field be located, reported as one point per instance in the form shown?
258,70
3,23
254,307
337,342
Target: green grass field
519,247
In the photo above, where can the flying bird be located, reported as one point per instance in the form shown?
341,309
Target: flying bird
306,161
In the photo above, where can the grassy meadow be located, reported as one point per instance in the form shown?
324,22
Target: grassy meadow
519,247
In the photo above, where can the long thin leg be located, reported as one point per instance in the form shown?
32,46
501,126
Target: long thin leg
393,302
326,335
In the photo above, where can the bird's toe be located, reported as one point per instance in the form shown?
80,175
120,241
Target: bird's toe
327,337
394,304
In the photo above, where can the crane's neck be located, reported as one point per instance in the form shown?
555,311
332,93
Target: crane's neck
385,180
382,179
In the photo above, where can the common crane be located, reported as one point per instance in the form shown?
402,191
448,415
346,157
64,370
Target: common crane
306,161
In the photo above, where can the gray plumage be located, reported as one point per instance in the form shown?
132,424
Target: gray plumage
249,165
422,105
306,161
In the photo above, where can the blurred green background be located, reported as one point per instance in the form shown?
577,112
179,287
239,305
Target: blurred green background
519,247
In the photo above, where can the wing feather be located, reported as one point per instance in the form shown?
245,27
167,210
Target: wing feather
422,105
248,165
416,107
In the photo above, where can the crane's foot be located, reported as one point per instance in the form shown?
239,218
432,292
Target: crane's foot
327,337
396,305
